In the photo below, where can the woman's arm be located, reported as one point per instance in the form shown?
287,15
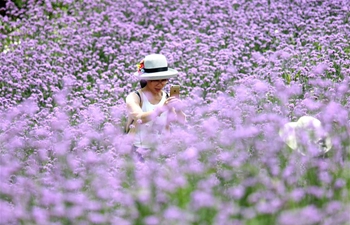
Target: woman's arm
134,109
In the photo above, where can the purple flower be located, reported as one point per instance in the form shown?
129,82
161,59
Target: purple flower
97,218
297,194
320,68
151,220
307,215
202,199
40,215
173,213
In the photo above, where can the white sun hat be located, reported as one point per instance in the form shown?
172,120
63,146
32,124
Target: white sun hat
291,134
155,67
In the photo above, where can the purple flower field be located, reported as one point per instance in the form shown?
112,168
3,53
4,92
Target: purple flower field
247,67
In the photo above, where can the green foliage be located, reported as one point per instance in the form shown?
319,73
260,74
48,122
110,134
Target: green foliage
205,216
19,3
262,219
182,196
144,211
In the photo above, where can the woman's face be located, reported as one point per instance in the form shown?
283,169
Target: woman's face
156,86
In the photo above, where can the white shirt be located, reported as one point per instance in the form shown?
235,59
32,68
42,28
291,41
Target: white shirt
148,133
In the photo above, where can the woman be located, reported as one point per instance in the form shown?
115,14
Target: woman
150,109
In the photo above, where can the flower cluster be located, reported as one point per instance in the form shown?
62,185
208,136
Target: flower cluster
140,67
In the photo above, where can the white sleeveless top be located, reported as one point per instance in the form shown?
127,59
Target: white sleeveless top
149,132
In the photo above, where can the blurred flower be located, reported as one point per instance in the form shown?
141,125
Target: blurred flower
202,199
173,213
309,128
320,68
151,220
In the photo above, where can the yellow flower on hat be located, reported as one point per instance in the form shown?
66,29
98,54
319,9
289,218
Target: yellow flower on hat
140,66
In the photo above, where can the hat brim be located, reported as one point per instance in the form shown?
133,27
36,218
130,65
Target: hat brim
170,73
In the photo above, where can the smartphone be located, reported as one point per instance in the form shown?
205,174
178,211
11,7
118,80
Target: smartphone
175,91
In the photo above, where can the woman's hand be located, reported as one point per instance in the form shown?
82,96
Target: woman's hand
173,103
175,106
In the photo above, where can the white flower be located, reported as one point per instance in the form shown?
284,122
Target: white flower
293,134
